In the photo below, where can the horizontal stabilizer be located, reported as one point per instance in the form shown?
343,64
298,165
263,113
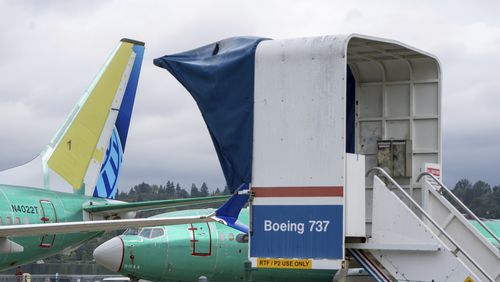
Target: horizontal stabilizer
120,207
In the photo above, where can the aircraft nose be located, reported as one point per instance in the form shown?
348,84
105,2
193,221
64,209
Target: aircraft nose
110,254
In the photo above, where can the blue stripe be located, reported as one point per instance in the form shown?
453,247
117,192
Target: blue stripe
114,167
366,265
106,184
123,119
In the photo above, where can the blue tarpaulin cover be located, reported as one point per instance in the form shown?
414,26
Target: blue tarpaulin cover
220,77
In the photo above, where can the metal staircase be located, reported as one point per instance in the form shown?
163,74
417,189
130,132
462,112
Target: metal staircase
459,228
431,243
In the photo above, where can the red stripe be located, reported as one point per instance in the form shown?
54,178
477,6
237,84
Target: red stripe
305,191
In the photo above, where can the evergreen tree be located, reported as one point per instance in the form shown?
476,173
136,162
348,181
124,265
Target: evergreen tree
203,190
226,191
178,191
132,191
184,194
143,188
170,190
195,193
461,187
161,192
480,188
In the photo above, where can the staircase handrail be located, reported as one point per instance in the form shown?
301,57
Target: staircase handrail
457,200
428,217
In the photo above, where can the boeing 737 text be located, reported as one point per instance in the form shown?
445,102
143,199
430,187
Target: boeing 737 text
299,227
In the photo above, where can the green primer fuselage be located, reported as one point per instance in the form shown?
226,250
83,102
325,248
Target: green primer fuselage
24,205
493,225
186,252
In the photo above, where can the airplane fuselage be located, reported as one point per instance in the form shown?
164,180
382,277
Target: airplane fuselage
186,252
23,205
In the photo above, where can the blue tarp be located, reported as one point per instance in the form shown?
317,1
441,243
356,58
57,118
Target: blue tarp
220,77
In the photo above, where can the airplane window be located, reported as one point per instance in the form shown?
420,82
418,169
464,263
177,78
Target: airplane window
157,232
1,222
17,220
8,220
132,231
26,220
145,232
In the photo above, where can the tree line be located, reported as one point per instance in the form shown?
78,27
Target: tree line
480,198
151,192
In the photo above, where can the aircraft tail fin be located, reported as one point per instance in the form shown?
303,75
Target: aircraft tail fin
228,213
106,185
85,155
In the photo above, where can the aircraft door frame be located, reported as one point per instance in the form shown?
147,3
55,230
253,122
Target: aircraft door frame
49,215
199,244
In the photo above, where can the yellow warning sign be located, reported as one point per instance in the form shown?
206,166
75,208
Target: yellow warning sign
468,279
284,263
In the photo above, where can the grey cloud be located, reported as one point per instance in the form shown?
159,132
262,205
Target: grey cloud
472,156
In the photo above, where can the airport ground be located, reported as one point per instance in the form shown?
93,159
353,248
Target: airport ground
59,272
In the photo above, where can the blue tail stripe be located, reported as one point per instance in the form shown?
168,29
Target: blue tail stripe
123,119
230,210
106,184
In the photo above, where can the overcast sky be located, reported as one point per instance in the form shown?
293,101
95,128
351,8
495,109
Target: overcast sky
51,51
